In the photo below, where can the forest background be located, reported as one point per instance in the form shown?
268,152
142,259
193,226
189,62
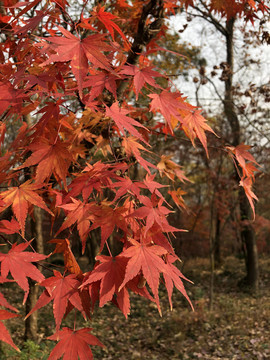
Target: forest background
224,251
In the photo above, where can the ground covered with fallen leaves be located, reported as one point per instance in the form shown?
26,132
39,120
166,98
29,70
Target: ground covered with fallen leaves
238,327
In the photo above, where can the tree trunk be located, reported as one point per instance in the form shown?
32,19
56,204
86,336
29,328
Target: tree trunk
247,232
30,330
249,242
212,251
217,253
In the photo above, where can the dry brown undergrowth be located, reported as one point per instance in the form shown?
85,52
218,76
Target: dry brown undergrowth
237,328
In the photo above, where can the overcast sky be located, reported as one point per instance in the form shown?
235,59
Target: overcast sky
212,45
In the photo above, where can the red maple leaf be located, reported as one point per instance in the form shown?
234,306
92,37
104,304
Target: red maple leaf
92,177
13,4
22,133
63,291
79,212
170,5
106,279
169,104
141,76
153,214
20,197
9,227
123,3
107,219
152,186
106,19
249,170
18,263
228,8
145,258
73,344
61,3
173,277
2,132
110,272
4,334
31,24
6,304
79,52
157,237
252,4
100,81
126,186
51,115
3,301
10,97
118,114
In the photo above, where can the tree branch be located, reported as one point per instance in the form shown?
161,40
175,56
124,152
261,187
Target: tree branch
210,18
144,34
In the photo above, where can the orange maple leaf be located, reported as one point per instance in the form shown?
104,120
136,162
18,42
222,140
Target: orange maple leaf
133,147
63,246
80,212
194,125
242,155
170,169
51,158
246,183
177,197
19,197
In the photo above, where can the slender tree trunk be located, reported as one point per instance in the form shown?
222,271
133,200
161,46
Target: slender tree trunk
31,326
249,242
247,232
212,234
217,253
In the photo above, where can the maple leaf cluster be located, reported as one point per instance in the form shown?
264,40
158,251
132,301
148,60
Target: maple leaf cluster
71,91
247,164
